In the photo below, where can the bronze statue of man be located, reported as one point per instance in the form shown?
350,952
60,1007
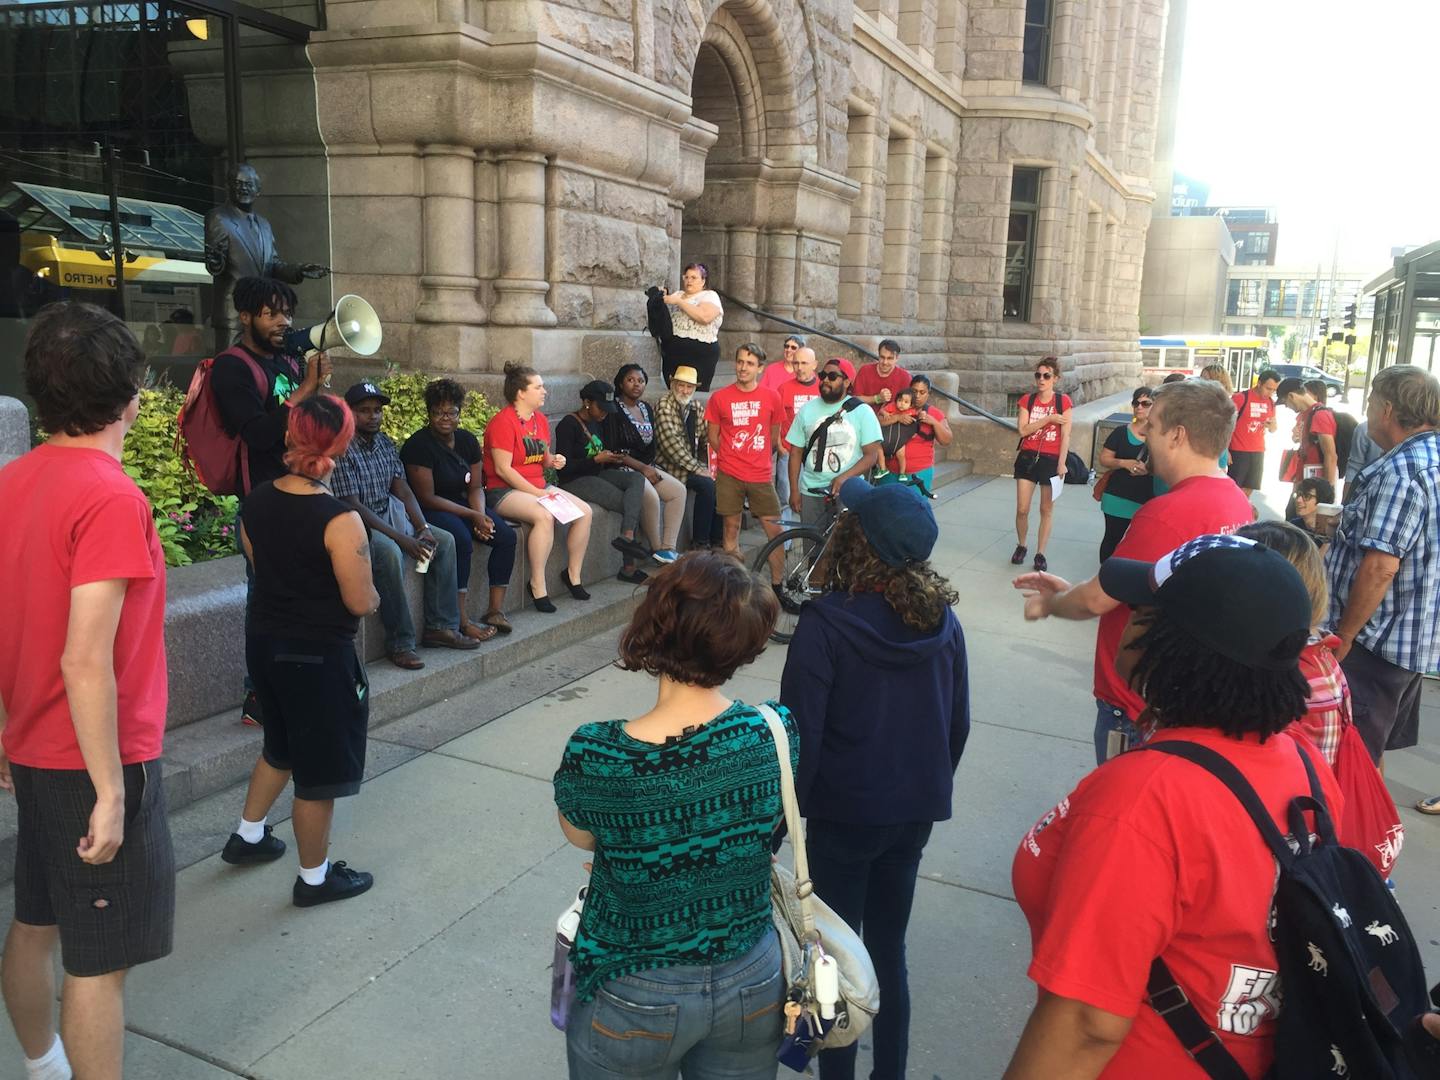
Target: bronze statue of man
240,243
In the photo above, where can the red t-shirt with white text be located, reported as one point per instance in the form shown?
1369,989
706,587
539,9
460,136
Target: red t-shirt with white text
1151,856
1316,420
745,449
527,440
72,517
1199,506
794,395
1047,439
869,382
920,450
1253,411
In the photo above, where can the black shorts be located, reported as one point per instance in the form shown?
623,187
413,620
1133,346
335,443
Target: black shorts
1384,699
315,705
1247,468
110,917
1036,467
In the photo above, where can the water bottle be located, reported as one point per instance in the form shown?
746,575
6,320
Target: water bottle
562,973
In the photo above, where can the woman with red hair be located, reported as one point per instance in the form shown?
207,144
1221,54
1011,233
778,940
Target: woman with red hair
312,584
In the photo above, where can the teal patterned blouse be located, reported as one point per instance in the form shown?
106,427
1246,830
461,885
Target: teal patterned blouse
682,862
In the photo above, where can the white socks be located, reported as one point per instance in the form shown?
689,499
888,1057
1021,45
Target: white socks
52,1065
315,875
252,832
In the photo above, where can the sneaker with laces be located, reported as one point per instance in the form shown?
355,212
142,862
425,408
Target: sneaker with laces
1041,564
340,883
665,555
267,849
250,710
1018,556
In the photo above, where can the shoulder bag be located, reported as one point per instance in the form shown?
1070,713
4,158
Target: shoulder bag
804,921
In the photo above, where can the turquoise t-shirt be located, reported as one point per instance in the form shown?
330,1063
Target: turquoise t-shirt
845,440
681,871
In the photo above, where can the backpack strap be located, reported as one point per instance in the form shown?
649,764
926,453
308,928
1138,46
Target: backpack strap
1164,995
850,404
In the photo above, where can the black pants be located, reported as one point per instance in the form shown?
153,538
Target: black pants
1114,532
687,352
706,526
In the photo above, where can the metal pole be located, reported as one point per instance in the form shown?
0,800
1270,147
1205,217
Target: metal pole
112,185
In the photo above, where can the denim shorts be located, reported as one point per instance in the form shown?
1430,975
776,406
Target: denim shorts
721,1020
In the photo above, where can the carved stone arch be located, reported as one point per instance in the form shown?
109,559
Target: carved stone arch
725,90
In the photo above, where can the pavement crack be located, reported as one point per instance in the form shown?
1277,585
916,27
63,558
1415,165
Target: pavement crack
198,1055
968,888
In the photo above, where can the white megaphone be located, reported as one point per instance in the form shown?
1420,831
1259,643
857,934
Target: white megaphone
352,324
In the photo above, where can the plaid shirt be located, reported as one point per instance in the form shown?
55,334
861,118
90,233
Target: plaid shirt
674,448
1396,510
367,471
1327,713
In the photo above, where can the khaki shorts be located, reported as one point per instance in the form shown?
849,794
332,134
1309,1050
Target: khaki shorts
730,496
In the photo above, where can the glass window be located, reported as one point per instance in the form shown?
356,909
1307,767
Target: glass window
1177,358
1290,299
1150,358
1020,242
1036,65
1272,296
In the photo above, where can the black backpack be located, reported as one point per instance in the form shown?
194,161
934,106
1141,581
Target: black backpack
1345,426
1350,972
1076,471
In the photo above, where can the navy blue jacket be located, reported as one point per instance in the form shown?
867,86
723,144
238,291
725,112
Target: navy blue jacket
883,711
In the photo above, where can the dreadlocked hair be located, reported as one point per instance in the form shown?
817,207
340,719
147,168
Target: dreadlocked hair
1187,684
917,593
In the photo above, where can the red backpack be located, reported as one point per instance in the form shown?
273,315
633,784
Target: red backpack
218,458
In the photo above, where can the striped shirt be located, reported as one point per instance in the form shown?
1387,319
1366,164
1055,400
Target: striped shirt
682,857
1396,510
1327,712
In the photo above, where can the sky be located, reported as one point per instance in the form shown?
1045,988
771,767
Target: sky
1322,109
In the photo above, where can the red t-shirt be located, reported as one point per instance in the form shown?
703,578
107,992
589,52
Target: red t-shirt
920,450
1316,420
1195,507
1151,856
1253,411
745,450
527,440
1047,439
869,382
72,517
775,376
794,395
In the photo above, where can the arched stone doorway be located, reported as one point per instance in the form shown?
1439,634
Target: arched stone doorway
754,205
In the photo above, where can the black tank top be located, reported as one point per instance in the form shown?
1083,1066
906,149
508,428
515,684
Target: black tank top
296,594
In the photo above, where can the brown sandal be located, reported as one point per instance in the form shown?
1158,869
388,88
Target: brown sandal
497,620
478,633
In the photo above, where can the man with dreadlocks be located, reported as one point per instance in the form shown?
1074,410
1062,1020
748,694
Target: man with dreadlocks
1190,424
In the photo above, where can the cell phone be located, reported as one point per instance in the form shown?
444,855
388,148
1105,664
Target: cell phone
1116,743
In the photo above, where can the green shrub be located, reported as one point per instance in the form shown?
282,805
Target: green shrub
406,413
194,525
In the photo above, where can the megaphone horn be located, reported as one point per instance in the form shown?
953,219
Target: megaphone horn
352,324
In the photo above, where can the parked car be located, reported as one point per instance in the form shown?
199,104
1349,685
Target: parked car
1309,372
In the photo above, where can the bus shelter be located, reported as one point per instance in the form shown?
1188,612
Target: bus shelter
1407,313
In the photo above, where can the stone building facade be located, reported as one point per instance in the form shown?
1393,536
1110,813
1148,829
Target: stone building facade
507,176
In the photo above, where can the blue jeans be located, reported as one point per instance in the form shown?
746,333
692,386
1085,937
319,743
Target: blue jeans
720,1022
866,873
442,607
1107,719
501,544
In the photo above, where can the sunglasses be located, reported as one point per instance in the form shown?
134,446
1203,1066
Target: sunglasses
1044,375
1143,404
832,375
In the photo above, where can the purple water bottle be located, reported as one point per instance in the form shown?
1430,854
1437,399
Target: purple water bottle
562,973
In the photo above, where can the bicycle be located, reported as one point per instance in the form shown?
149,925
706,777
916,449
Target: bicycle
804,575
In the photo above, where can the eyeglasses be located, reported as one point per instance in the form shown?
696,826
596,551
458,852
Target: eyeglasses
446,414
1143,404
832,375
1044,375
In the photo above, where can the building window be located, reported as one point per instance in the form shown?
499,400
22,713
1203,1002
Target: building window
1020,242
1036,66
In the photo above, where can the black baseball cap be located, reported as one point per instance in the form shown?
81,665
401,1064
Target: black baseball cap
1231,594
895,518
600,392
363,391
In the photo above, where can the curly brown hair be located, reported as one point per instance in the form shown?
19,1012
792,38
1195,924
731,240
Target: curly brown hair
915,591
703,617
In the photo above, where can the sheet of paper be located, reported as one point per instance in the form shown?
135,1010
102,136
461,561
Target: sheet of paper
1057,486
561,508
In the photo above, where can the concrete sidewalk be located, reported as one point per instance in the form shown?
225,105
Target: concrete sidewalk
442,970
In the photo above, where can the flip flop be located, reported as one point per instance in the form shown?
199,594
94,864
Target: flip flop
479,633
1430,805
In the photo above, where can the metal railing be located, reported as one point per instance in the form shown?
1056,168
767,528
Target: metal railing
810,331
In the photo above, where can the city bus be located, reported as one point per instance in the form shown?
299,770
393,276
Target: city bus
1187,354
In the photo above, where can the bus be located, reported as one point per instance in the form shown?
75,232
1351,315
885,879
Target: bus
1187,354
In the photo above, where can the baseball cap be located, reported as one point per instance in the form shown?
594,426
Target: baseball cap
1233,595
600,392
686,374
896,520
363,391
844,365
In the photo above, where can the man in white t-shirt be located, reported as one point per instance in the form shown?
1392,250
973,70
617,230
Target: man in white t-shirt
832,439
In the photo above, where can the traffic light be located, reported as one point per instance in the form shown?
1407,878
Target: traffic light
1349,316
1324,328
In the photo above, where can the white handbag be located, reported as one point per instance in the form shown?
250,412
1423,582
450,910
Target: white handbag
803,919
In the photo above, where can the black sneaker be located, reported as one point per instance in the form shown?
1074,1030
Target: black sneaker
250,710
634,577
1018,555
340,883
267,849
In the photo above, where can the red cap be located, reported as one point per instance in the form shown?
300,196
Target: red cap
844,365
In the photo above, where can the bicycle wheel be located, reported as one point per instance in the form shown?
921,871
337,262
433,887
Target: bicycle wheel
800,580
